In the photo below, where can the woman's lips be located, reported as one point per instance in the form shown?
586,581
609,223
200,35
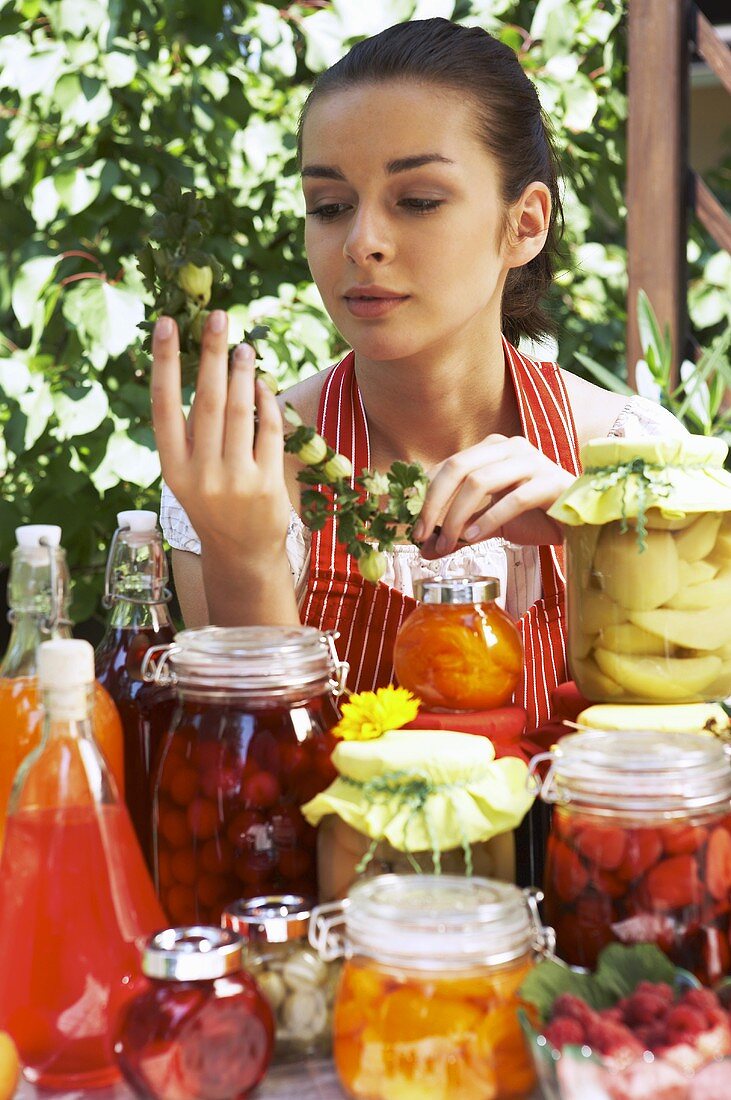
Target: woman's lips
374,307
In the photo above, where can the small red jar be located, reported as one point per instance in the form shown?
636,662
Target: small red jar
459,650
249,744
640,847
202,1028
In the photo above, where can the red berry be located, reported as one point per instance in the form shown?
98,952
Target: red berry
604,847
607,1037
718,864
686,1021
261,790
643,849
643,1007
203,818
680,840
563,1032
673,883
572,1007
566,873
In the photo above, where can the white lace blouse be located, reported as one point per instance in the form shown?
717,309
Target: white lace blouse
516,567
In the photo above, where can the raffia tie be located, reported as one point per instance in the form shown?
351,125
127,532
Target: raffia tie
648,476
412,793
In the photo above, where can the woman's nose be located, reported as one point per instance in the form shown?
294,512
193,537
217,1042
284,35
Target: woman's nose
368,237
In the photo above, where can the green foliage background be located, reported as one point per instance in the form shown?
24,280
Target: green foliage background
102,100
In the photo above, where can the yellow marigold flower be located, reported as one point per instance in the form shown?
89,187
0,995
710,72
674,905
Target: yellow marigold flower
370,714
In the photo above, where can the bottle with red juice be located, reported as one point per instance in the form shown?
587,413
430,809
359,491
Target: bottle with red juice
137,598
75,894
250,743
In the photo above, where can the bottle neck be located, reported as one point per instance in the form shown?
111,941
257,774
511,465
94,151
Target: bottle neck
133,614
68,711
29,630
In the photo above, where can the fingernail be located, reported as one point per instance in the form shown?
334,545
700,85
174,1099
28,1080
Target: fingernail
418,533
164,328
442,544
217,320
241,355
471,533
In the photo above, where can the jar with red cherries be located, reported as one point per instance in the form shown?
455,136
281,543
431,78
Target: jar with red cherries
249,744
640,846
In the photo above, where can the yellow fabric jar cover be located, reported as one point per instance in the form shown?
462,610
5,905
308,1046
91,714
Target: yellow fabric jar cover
623,478
424,790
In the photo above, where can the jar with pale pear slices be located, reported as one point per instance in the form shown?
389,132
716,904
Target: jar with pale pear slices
648,564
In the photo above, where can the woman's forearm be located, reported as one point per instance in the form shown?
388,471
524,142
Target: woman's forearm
248,593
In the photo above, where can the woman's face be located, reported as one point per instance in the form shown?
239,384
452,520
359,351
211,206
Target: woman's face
404,217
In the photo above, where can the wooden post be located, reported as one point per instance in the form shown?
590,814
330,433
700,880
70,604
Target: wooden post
657,168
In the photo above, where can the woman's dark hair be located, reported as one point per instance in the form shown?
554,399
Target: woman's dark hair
511,125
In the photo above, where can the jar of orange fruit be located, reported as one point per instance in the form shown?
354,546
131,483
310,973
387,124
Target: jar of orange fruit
459,650
428,998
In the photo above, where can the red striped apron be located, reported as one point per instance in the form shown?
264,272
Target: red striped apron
368,616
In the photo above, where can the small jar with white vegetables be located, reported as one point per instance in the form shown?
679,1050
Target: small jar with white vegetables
298,985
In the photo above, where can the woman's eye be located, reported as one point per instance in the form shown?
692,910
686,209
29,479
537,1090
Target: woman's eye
327,211
421,206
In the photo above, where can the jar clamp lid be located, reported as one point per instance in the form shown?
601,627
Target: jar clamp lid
432,922
271,660
636,771
196,953
464,590
275,918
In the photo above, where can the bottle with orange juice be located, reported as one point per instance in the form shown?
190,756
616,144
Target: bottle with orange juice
38,595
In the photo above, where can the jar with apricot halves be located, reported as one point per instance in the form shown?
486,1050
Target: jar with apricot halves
428,998
249,743
648,541
640,846
459,650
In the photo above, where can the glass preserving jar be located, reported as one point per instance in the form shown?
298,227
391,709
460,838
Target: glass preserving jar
640,846
428,998
249,743
201,1028
298,984
459,650
648,543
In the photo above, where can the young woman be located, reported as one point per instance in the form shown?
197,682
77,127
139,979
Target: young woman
433,212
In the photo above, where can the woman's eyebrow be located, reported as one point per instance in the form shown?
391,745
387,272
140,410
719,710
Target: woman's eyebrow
402,164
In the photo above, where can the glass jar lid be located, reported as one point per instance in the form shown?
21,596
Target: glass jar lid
457,589
432,922
259,660
640,771
275,918
197,953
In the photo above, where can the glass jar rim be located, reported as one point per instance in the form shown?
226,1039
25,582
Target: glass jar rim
259,661
428,922
468,589
642,771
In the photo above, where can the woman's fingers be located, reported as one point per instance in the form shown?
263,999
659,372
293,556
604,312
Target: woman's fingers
448,479
167,413
239,417
531,496
269,446
211,388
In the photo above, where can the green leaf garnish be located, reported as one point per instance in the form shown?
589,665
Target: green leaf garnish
619,971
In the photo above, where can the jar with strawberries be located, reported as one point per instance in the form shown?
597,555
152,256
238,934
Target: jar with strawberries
427,1004
250,742
640,846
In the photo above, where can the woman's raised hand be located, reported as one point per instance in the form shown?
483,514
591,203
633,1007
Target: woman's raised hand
229,478
499,487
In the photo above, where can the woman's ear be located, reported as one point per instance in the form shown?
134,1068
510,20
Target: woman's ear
528,223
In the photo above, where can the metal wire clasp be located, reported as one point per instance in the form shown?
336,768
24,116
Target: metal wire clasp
326,932
157,672
50,622
544,937
340,668
542,786
110,598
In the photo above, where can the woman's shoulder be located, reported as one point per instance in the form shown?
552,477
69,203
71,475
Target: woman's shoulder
304,396
595,410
